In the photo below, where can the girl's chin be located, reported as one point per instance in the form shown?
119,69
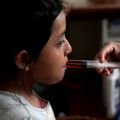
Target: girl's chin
57,80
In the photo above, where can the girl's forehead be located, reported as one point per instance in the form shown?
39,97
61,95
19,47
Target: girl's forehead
60,22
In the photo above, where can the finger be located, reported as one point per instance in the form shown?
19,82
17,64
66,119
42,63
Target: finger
99,71
110,70
106,72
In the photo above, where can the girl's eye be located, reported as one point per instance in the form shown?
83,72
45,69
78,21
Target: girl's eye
60,43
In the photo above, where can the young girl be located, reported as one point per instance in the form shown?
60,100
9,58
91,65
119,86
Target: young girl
36,52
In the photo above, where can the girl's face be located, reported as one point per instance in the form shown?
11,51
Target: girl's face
50,66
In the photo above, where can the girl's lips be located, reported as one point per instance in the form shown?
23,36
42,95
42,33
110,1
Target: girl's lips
65,66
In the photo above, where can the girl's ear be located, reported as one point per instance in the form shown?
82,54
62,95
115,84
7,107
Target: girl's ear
22,59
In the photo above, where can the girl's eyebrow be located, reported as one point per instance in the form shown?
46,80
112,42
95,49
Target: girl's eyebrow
60,36
62,33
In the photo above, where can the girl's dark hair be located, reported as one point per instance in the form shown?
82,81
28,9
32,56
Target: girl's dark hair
29,30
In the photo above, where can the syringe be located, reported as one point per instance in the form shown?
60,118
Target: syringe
91,64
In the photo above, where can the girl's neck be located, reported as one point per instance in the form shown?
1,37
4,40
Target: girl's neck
24,91
16,87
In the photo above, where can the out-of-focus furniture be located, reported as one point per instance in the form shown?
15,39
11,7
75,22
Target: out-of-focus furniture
78,118
94,9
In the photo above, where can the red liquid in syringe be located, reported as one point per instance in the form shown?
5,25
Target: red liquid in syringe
81,64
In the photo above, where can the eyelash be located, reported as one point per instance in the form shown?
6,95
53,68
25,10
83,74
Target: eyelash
60,43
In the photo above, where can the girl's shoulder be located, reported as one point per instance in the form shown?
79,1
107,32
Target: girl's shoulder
15,107
10,108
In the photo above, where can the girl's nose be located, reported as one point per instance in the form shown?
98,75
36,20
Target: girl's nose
68,48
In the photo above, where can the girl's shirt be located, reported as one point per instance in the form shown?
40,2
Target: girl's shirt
16,107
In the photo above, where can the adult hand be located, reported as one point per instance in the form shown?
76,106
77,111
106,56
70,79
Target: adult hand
109,52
